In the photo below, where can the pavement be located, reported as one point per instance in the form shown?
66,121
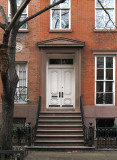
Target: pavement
79,155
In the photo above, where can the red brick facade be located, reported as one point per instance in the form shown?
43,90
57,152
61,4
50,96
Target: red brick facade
83,29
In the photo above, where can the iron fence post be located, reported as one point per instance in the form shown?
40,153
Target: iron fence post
29,134
91,135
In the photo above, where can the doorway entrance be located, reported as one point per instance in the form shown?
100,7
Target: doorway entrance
61,82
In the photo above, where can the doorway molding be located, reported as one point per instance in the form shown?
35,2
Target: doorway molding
61,46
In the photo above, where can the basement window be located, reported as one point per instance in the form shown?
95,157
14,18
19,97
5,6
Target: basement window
104,122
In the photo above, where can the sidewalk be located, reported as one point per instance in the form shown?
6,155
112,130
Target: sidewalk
80,155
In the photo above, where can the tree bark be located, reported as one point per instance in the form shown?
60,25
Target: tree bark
9,81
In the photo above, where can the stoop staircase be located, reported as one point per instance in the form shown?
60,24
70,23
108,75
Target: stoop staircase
59,131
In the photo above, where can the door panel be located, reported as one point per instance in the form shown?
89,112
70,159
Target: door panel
67,87
54,87
61,87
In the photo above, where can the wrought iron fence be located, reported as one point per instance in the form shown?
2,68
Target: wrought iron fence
106,137
20,94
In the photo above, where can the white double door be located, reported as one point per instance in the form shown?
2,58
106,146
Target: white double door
61,88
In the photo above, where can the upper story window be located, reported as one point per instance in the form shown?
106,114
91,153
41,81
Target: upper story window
21,90
60,15
102,19
104,80
23,16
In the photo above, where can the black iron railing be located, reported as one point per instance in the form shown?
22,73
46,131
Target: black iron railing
88,132
106,137
36,120
20,94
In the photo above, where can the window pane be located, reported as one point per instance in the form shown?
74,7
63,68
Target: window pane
109,86
100,74
55,19
67,61
57,6
99,18
109,74
109,4
109,62
108,22
65,18
65,4
98,5
24,26
99,98
100,62
55,61
99,87
109,98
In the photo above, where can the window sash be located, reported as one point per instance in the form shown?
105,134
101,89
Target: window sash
105,87
62,23
101,21
21,90
24,15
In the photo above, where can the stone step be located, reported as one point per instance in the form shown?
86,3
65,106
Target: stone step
59,122
60,117
59,137
58,142
54,127
60,148
54,113
55,132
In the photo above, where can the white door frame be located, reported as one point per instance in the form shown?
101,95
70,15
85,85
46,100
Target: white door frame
59,56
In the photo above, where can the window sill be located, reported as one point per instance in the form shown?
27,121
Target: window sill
104,30
60,31
23,31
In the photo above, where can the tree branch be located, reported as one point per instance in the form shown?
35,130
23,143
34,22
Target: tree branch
2,26
40,12
3,15
18,14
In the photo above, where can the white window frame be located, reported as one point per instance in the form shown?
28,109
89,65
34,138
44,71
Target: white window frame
60,16
9,15
105,78
17,70
98,8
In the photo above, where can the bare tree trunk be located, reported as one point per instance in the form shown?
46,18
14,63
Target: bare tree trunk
9,82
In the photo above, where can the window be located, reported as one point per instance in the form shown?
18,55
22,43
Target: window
60,15
23,16
102,19
104,80
21,90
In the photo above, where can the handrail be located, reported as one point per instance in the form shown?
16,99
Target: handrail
36,120
38,111
82,111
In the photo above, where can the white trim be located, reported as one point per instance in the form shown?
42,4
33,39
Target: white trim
60,17
104,80
114,20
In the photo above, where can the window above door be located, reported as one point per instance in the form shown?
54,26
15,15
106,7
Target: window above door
60,16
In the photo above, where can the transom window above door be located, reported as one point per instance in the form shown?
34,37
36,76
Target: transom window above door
61,61
60,15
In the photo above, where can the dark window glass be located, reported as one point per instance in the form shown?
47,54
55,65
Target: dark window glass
100,74
108,98
109,62
109,86
109,74
100,62
61,61
67,61
55,61
99,98
100,86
